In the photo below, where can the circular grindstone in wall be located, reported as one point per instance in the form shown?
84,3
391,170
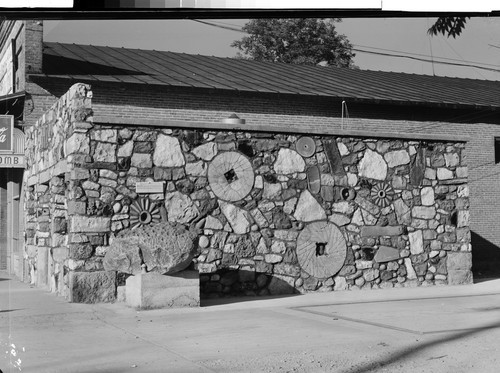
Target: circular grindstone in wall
305,146
230,176
382,194
142,212
321,249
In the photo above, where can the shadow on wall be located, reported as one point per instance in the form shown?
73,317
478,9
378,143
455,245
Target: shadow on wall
229,283
485,258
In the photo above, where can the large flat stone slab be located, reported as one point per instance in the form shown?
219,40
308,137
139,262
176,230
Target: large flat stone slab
153,290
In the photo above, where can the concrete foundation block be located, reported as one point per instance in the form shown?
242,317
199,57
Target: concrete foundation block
153,290
459,277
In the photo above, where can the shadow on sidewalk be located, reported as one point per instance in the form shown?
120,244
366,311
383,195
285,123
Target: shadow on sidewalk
413,350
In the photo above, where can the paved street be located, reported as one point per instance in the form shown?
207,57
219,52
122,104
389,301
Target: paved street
438,329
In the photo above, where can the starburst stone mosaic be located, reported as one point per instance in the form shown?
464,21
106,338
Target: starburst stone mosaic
321,249
231,176
142,212
382,194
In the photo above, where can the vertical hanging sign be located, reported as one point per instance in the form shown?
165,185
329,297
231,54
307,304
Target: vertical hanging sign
6,133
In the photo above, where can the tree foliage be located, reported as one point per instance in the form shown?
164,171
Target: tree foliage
449,26
309,41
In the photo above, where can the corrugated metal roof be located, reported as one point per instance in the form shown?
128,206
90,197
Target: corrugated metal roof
111,64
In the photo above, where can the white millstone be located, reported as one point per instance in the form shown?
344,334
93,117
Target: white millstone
427,196
168,152
105,152
423,212
416,242
397,158
206,151
78,143
213,223
239,219
126,149
180,207
410,271
141,160
308,209
444,174
289,162
196,169
271,191
372,166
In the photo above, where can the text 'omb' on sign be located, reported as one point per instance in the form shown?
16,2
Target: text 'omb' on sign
11,161
6,132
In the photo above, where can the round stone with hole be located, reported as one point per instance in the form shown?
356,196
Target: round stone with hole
230,176
321,249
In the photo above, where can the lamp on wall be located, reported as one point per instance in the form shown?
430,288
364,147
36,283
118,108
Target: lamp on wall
233,119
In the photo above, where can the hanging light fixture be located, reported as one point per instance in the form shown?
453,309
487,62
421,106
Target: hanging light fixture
233,119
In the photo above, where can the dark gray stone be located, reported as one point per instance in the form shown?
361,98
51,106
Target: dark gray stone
386,254
333,155
417,168
80,251
92,287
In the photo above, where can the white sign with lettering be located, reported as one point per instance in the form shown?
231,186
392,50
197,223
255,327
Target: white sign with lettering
12,161
149,187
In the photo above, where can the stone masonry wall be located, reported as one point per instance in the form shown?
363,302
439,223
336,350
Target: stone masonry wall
51,169
279,213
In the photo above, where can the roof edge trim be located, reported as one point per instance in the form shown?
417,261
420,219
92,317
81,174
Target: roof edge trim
249,127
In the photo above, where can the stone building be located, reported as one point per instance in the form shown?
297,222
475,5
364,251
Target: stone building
299,178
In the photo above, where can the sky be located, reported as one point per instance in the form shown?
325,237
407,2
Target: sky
478,45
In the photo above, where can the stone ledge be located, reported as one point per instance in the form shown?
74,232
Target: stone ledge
250,127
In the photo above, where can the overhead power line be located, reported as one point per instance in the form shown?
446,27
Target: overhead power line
426,60
409,55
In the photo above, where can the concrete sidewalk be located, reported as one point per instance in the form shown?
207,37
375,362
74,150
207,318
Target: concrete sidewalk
433,329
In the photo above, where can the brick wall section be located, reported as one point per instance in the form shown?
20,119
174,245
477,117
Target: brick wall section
34,46
209,105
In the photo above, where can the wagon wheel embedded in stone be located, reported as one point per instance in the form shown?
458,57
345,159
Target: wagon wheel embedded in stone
142,212
230,176
321,249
